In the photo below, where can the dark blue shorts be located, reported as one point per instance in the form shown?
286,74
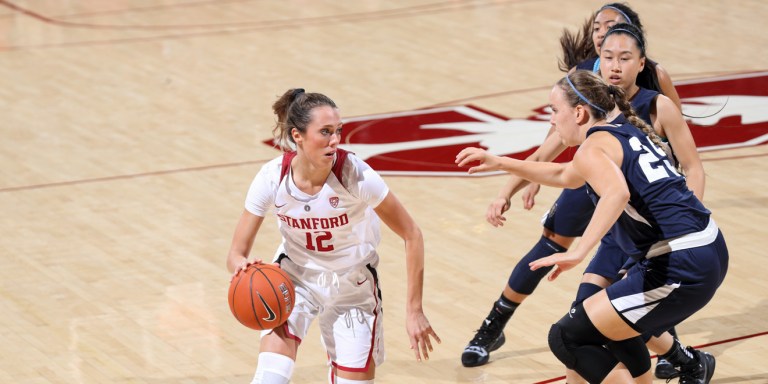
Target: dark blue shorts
608,260
660,292
571,213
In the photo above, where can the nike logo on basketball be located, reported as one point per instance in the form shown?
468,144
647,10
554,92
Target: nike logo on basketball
269,310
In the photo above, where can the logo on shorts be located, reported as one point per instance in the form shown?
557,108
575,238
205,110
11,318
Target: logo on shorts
722,112
334,201
271,314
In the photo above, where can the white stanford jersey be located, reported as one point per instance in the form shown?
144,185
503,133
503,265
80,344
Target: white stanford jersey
332,230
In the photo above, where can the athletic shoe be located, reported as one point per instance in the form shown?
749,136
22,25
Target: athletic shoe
699,373
664,369
487,339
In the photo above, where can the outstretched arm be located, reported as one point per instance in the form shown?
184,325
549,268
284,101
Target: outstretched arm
551,174
547,151
394,215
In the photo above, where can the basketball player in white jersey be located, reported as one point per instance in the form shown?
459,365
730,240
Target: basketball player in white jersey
328,204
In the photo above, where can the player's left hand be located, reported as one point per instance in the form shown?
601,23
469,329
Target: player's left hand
419,332
561,261
487,161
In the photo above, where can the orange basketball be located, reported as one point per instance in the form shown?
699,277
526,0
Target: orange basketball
261,297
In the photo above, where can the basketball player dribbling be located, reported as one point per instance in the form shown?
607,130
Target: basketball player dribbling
328,204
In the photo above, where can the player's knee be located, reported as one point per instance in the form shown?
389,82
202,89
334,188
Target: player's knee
557,344
572,332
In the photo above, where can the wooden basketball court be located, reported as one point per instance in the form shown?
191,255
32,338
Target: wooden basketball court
131,131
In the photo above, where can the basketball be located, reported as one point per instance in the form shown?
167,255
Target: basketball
261,297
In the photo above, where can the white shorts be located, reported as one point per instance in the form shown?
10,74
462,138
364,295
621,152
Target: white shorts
348,307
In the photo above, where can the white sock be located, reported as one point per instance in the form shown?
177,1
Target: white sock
273,368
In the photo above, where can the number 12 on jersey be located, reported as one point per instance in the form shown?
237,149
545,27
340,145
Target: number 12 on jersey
318,241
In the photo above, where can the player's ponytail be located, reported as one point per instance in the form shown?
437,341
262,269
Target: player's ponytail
293,110
577,47
620,98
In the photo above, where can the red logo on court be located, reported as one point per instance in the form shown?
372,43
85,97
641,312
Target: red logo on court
334,201
725,112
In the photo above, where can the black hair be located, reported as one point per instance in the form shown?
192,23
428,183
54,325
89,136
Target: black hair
648,78
579,47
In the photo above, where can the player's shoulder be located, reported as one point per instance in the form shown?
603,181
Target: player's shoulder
274,164
271,170
353,162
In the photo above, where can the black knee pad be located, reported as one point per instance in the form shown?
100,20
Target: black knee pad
557,345
576,342
633,354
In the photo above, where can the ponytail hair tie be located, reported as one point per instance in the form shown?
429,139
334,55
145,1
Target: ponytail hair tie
297,92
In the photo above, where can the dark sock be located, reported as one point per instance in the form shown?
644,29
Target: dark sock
505,307
673,332
678,356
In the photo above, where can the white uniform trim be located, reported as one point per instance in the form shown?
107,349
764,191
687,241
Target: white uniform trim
634,307
691,240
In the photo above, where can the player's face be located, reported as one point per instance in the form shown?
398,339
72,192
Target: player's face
620,60
604,20
563,117
322,136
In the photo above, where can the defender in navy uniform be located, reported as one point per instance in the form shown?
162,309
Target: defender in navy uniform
654,218
570,214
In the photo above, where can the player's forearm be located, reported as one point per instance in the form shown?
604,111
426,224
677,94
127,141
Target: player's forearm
550,174
414,264
607,211
548,151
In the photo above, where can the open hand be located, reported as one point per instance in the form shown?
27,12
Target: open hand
561,261
487,161
419,332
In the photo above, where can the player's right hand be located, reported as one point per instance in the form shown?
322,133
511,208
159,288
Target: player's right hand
495,212
243,266
529,195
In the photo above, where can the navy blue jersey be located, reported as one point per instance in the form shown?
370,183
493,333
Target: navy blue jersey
576,207
660,206
592,65
643,102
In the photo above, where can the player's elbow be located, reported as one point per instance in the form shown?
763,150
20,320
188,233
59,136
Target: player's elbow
413,234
